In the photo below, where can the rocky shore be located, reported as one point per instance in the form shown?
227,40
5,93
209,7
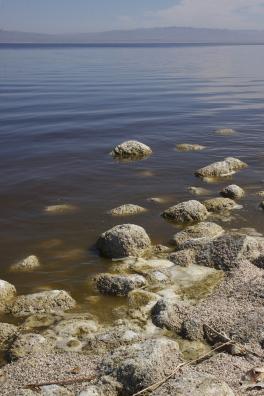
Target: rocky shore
191,321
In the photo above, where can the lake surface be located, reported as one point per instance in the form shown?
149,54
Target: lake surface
62,110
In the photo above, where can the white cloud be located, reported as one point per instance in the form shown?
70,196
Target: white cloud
245,14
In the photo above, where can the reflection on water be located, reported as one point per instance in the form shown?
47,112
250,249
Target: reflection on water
62,111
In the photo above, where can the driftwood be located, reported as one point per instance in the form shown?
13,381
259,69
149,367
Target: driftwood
63,382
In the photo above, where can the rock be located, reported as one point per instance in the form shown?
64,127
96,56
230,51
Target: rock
221,168
169,314
227,251
53,301
26,344
7,294
198,191
106,386
142,298
219,204
27,264
189,147
131,149
186,212
191,383
142,364
55,390
76,326
118,285
225,131
7,333
260,193
158,200
261,205
40,321
127,210
123,241
60,209
233,191
183,258
199,233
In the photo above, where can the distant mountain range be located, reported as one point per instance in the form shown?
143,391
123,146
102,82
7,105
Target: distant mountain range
139,36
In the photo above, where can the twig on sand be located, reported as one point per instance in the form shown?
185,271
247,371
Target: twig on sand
63,382
158,384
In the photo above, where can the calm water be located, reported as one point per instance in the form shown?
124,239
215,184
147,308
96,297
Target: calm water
62,109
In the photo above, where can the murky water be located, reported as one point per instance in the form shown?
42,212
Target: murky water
62,110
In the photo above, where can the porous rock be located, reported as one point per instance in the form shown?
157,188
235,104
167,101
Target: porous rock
219,204
7,294
221,168
227,251
142,364
198,233
124,240
186,212
127,210
118,285
27,264
183,258
131,149
233,191
169,314
52,301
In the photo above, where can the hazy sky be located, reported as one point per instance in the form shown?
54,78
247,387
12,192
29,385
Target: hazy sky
58,16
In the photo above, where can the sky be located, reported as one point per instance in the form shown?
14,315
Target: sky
77,16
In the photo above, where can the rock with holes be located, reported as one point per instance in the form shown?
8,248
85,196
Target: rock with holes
219,204
233,192
28,264
124,240
131,149
186,212
127,210
118,285
226,167
7,294
7,333
27,344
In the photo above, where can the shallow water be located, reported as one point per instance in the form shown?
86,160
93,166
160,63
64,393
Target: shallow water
63,109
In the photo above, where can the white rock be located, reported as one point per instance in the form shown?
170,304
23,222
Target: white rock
27,264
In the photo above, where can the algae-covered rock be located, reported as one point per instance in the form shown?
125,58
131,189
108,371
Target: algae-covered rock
186,212
225,132
7,294
221,168
60,209
189,147
233,191
219,204
198,190
53,301
196,234
118,285
26,344
127,210
7,333
124,240
131,149
28,264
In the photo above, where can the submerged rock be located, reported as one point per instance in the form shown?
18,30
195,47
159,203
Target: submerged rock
27,264
123,241
7,294
261,205
186,212
140,365
60,209
26,344
131,149
225,131
219,204
198,191
127,210
53,301
233,191
221,168
7,333
197,234
118,285
189,147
